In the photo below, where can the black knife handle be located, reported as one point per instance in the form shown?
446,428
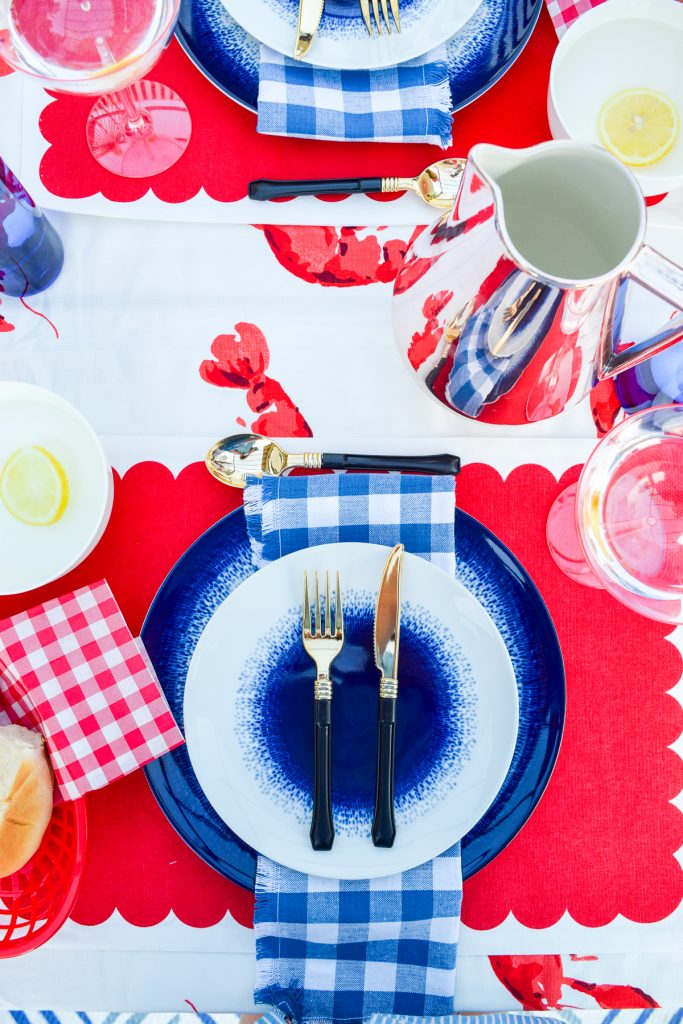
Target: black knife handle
265,189
384,825
439,465
322,827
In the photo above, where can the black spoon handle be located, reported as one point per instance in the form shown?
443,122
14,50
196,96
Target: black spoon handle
384,825
439,465
322,827
265,189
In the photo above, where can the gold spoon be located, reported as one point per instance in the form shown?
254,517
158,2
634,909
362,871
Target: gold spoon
239,456
437,185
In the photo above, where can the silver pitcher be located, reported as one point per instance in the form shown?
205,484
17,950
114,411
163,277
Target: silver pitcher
510,307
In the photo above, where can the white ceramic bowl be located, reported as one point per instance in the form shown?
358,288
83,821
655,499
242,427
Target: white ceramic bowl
31,556
621,44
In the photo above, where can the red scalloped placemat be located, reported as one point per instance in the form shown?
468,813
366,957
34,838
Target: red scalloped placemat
603,838
225,151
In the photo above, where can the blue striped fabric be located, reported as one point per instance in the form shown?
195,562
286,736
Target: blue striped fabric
564,1016
597,1016
407,103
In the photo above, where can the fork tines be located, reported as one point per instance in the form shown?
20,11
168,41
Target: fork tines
329,625
395,14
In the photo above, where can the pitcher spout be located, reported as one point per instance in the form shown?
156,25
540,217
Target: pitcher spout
555,206
493,162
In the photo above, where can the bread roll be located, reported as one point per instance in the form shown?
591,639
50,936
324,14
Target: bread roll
25,796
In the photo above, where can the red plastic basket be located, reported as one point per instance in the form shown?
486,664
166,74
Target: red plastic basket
36,901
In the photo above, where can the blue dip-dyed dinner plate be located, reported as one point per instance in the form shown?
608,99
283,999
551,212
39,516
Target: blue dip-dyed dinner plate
248,713
478,54
220,560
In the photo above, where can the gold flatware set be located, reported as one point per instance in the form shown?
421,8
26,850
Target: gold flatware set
239,458
322,633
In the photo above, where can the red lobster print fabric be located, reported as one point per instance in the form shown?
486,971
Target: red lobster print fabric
338,257
240,360
603,838
540,983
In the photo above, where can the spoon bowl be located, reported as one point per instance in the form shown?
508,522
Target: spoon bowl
439,183
234,458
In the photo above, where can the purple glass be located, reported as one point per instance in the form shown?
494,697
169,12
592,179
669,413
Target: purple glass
31,251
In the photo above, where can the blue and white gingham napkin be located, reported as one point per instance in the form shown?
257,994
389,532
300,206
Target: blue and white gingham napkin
286,514
330,950
407,103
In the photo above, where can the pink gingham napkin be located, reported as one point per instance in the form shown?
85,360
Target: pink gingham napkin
564,12
73,665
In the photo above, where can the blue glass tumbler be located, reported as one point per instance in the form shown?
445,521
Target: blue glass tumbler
31,251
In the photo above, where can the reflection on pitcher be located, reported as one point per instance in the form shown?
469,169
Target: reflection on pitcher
512,306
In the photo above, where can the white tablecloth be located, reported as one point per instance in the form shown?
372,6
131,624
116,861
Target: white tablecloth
136,309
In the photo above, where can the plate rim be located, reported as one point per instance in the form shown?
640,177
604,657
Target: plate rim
182,37
162,791
467,608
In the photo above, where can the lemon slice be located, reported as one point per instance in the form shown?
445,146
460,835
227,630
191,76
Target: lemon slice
34,487
639,126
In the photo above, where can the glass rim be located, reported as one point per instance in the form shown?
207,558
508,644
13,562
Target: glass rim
100,73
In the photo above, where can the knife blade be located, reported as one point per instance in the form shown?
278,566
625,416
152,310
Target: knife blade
387,636
310,13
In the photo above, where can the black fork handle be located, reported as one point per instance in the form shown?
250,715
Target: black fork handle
322,826
266,189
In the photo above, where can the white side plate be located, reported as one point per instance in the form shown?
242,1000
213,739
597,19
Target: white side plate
31,556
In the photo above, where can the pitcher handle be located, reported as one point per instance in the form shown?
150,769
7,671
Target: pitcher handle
663,278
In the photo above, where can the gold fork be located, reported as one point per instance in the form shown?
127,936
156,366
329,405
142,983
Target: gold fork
323,640
365,10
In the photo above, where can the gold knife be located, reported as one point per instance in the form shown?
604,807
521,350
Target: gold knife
387,635
310,13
